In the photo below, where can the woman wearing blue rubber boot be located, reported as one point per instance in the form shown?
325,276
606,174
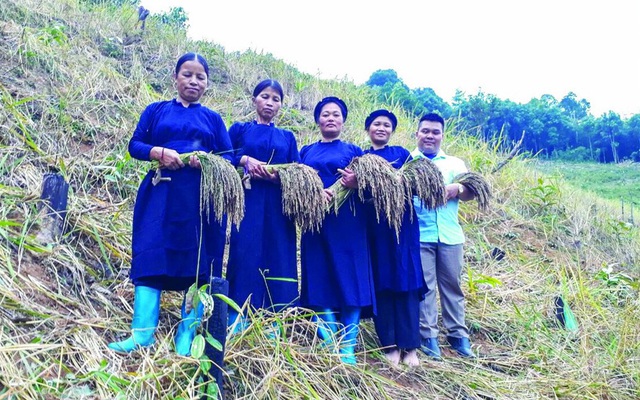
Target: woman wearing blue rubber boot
187,327
327,327
146,311
350,318
172,248
336,272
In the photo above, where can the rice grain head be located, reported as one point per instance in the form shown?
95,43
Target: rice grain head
377,178
422,178
220,187
478,185
302,195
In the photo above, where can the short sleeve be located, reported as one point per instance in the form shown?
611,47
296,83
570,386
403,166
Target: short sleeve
460,167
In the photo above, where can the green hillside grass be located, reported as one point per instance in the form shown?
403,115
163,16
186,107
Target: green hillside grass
610,181
74,80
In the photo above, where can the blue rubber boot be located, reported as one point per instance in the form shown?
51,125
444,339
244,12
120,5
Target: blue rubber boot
462,346
327,326
239,323
146,311
187,328
430,347
350,318
274,332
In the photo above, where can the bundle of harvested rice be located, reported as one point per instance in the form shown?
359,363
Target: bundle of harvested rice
220,186
478,186
422,178
376,177
302,193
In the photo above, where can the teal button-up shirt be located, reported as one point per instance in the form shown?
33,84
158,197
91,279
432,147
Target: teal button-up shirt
441,225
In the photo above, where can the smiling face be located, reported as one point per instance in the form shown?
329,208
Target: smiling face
429,137
380,131
267,104
330,121
191,82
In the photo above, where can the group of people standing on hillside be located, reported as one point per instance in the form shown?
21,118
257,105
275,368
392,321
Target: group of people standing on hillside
354,267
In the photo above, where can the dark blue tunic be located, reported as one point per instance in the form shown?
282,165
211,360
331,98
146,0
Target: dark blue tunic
396,263
263,251
336,269
166,219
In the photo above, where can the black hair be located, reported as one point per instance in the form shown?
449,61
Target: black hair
268,83
381,113
432,117
192,57
327,100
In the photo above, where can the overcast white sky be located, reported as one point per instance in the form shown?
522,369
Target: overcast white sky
514,49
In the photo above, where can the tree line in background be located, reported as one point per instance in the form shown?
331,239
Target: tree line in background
554,129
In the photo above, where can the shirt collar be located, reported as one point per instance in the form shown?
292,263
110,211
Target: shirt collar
418,154
271,124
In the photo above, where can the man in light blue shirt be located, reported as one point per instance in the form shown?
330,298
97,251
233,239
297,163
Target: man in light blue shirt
441,246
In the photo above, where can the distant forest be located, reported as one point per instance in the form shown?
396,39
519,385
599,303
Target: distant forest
557,129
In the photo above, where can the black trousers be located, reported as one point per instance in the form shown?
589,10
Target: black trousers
398,320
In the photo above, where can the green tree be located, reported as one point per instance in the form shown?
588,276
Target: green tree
574,108
431,102
610,129
632,130
176,17
383,76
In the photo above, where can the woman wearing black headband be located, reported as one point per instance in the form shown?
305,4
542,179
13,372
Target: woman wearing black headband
336,270
396,263
167,227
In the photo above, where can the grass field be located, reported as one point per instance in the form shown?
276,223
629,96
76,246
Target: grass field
610,181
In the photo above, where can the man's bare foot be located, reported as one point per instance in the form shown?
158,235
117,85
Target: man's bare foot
393,357
411,358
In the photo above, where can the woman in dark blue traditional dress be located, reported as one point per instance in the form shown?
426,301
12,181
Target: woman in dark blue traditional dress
168,237
336,270
396,263
262,255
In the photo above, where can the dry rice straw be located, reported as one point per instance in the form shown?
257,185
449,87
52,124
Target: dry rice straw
302,194
477,185
422,178
220,187
376,178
